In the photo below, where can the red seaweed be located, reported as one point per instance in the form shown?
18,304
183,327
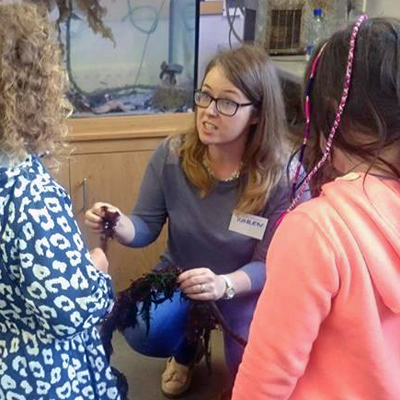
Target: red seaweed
154,288
110,219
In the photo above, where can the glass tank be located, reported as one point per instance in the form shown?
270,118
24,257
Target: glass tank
128,56
146,65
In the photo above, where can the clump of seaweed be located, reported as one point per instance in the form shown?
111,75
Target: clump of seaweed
91,9
168,97
94,14
110,219
156,287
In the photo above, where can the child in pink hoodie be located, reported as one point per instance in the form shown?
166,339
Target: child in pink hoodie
327,324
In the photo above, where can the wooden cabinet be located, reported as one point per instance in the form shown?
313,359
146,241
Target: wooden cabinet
114,178
107,163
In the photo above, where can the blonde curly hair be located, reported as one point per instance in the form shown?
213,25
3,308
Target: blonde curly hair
33,106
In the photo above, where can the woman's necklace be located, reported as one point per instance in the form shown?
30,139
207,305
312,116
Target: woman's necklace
234,175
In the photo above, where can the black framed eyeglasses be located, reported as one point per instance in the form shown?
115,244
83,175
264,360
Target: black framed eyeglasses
224,106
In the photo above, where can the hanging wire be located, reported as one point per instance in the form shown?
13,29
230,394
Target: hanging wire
231,21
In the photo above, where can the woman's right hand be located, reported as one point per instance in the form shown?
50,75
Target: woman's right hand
94,216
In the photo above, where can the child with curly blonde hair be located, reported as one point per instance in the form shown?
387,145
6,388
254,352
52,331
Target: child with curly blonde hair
53,293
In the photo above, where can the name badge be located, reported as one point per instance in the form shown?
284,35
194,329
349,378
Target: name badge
248,225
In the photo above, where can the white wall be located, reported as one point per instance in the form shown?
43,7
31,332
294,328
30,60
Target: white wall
214,35
386,8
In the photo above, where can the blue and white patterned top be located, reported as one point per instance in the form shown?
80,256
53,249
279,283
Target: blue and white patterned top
51,296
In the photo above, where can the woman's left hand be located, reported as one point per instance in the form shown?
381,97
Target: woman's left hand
202,284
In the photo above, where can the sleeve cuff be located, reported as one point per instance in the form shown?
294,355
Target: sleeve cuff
143,235
256,271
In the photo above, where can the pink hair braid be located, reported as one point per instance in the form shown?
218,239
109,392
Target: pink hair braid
342,104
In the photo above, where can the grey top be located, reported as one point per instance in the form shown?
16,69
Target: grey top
198,234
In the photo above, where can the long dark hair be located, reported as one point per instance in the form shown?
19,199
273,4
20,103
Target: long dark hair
373,106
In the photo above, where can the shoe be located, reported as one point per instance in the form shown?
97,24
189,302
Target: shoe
176,379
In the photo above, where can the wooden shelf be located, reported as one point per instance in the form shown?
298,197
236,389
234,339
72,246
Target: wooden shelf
211,7
122,127
125,133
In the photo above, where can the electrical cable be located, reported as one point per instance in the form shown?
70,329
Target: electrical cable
149,32
231,22
231,28
133,10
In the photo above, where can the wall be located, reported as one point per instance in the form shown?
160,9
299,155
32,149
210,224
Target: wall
383,8
214,35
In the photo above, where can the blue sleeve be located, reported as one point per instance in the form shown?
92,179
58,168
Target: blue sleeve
143,234
150,213
51,265
255,270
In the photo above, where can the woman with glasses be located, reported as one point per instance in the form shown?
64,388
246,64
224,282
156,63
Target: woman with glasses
221,187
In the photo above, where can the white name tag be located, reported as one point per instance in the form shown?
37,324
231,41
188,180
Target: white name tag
249,225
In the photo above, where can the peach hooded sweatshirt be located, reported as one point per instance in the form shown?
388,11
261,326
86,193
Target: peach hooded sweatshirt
327,324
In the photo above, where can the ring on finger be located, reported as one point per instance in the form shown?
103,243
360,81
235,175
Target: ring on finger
201,287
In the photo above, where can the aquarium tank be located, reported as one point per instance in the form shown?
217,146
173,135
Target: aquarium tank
128,57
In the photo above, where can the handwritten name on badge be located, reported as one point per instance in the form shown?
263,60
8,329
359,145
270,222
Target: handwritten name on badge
249,225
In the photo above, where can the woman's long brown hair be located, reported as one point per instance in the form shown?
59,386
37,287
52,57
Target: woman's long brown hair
252,72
